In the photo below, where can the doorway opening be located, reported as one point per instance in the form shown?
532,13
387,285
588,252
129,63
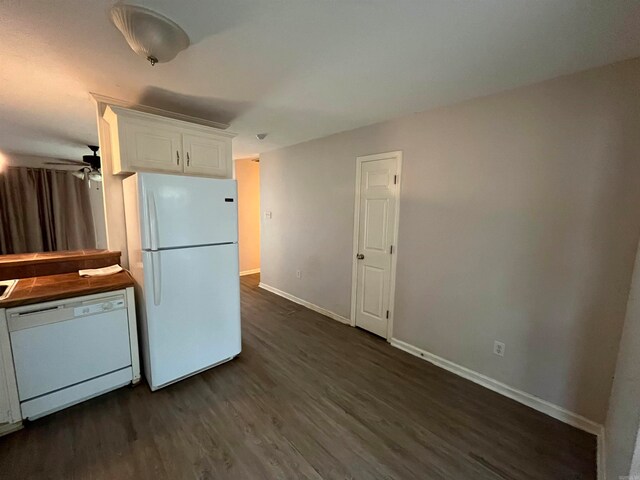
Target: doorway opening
247,174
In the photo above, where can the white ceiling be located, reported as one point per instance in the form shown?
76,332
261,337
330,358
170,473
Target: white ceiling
297,69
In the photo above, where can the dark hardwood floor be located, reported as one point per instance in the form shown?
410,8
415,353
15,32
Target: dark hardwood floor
307,398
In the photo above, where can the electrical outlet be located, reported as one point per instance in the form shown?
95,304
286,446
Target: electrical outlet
498,348
298,274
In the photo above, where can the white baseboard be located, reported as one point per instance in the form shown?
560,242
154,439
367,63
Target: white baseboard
527,399
304,303
249,272
519,396
6,429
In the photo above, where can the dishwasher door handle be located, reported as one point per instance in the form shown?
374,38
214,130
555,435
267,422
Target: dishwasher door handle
36,312
156,274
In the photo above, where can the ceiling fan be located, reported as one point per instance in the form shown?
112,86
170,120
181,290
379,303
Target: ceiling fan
90,165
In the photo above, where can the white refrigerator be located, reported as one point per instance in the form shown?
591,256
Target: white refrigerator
182,236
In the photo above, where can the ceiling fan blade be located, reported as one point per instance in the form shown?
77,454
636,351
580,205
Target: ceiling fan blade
71,163
65,164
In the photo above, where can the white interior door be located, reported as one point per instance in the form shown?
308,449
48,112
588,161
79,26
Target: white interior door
376,211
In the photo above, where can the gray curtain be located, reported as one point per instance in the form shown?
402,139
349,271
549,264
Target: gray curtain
44,210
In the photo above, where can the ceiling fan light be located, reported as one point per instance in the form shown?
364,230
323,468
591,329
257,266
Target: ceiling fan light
149,34
79,174
95,176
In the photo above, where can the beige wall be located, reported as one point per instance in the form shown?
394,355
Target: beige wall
247,173
519,221
623,419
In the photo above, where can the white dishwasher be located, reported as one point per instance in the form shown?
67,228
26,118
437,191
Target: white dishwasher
70,350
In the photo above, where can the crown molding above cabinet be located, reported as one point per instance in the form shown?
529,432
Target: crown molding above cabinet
116,102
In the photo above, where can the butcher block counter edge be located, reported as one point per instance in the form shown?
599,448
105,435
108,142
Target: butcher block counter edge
23,259
56,287
27,265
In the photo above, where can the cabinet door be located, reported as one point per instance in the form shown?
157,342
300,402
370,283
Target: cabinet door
205,155
5,406
151,146
9,403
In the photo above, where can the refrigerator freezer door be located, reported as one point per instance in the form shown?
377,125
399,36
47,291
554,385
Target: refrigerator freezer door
192,303
179,211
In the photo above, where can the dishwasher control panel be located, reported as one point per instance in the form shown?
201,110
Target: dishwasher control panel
98,307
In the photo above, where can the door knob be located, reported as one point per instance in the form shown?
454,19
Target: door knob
360,256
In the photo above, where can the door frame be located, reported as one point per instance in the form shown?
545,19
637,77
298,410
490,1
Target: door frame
356,231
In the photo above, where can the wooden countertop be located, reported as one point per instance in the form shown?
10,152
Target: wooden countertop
28,265
48,257
66,285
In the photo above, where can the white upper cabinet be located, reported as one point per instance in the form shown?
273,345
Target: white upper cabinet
206,156
142,142
152,147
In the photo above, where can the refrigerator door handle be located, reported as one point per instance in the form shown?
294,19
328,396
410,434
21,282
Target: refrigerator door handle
153,221
157,278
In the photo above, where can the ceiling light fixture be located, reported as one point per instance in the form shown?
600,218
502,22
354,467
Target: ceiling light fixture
94,176
149,34
81,174
90,165
88,174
